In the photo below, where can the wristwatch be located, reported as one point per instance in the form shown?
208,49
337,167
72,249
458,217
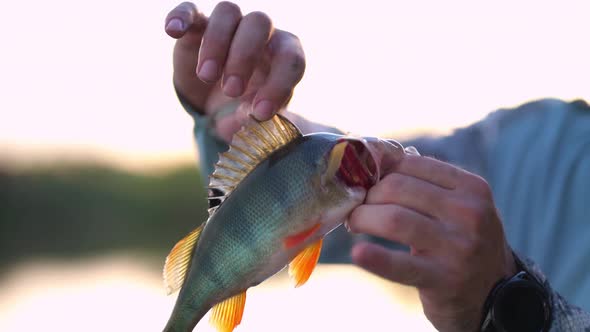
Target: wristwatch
519,303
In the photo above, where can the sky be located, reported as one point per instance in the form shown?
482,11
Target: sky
92,80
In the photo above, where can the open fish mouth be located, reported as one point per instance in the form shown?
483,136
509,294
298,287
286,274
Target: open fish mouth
358,166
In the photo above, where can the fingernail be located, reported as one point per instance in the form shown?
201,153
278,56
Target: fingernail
348,228
175,25
233,86
208,71
263,110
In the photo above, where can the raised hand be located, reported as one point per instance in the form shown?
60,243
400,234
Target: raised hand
229,57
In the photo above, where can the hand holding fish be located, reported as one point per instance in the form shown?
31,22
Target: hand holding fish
229,57
448,218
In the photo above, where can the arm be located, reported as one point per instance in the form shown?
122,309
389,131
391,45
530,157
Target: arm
535,159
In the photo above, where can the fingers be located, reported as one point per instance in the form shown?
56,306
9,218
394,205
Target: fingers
217,39
396,266
410,192
399,224
183,20
386,154
431,170
239,49
245,52
444,175
287,68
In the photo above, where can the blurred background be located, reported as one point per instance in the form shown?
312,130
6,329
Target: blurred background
98,174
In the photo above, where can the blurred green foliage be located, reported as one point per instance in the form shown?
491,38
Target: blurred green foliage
66,211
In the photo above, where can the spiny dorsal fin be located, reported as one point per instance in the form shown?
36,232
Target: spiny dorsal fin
178,261
251,145
226,315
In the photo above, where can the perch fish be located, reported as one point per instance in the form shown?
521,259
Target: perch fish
273,196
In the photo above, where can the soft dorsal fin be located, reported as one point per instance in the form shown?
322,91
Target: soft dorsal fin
179,259
249,146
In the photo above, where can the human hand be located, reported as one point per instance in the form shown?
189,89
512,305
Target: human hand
230,57
448,219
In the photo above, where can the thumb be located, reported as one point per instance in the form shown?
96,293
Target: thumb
186,23
387,153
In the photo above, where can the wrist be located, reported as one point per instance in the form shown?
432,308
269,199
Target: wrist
187,104
521,303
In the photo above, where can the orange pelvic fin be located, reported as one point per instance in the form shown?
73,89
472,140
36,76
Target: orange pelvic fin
294,240
226,315
302,266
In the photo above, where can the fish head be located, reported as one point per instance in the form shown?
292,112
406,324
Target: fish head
351,162
352,165
344,169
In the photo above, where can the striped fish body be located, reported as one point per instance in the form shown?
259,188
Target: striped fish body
287,203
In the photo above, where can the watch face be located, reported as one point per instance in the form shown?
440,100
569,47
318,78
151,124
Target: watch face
520,306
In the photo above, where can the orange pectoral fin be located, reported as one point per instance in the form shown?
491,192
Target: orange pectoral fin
302,265
294,240
178,261
227,315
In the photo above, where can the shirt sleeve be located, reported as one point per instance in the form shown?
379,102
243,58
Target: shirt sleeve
208,144
564,316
